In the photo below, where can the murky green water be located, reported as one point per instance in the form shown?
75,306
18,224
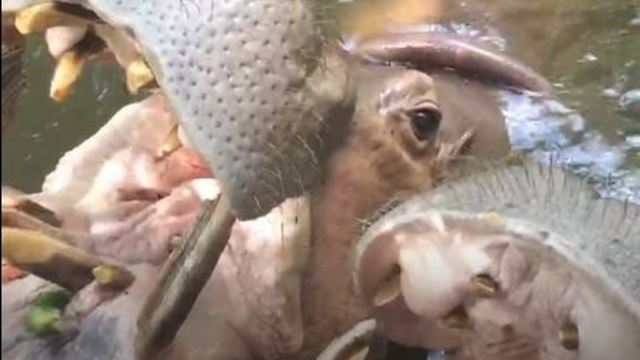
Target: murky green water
589,49
44,130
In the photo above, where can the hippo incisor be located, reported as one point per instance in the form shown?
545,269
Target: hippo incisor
282,288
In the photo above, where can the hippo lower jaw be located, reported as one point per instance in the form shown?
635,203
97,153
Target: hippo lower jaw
516,281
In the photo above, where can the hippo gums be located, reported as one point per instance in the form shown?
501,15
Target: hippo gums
361,193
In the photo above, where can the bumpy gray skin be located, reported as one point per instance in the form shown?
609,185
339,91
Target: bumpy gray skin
247,80
240,76
558,252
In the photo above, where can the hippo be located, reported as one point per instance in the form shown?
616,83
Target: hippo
514,262
186,50
263,301
282,288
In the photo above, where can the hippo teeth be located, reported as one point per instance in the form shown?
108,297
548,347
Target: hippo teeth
93,35
434,282
67,72
458,318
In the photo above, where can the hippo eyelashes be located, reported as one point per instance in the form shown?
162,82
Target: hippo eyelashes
425,121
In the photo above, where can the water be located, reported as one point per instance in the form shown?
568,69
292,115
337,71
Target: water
589,49
43,130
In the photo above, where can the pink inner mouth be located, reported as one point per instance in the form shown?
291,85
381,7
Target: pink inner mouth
116,197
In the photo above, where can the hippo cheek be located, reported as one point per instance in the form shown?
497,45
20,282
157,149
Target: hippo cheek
257,104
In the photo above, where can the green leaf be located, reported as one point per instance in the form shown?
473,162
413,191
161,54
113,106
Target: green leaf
43,320
45,312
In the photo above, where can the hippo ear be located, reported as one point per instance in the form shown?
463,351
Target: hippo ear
429,51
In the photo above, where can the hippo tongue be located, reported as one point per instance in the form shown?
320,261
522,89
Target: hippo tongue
244,80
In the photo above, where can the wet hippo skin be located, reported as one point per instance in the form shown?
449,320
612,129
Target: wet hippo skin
359,181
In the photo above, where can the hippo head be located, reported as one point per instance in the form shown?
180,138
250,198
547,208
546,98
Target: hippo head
517,262
250,81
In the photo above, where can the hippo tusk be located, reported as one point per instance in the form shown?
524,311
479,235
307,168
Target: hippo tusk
185,274
171,142
353,345
67,72
427,50
13,199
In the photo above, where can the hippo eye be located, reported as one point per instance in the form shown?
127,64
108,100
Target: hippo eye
425,121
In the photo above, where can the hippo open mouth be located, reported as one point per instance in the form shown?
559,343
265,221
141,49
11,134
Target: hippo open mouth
519,263
240,97
116,197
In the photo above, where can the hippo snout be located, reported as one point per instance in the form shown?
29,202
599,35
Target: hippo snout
490,267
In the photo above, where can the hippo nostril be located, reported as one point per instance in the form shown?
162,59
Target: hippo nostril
425,121
390,287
